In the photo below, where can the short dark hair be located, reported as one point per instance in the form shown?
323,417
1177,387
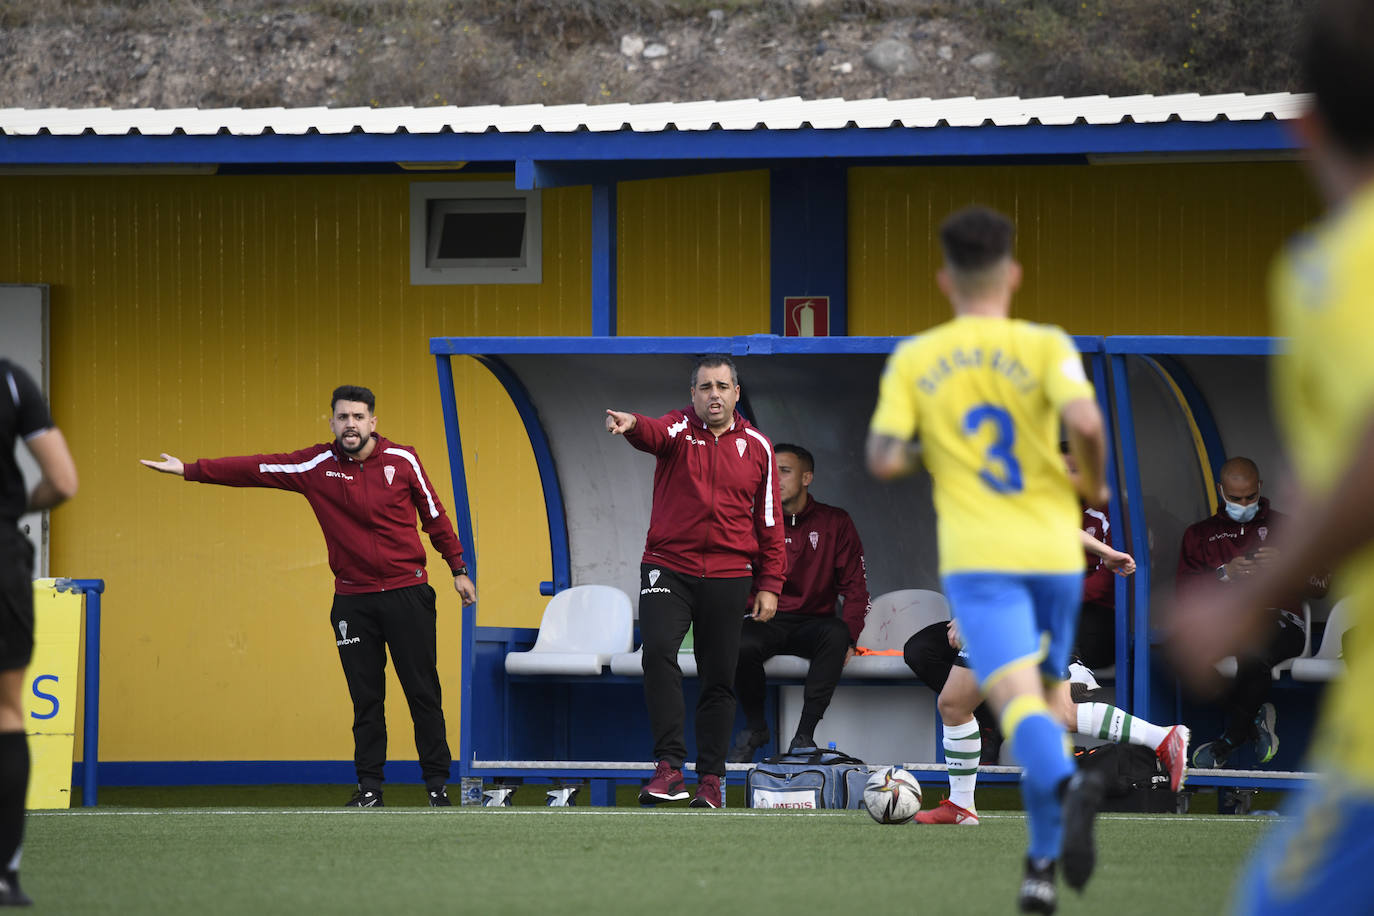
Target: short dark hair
1338,68
354,393
711,361
807,461
975,237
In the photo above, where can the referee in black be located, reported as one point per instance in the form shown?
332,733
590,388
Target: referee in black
23,414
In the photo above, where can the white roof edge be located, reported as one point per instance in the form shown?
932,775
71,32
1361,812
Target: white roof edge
736,114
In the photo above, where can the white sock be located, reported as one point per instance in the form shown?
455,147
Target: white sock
1099,720
963,752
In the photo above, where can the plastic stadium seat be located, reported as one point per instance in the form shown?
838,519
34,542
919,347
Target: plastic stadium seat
893,619
582,628
1327,664
1227,666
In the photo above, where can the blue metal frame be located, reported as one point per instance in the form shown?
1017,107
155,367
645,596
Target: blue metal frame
1178,345
604,259
92,589
526,150
548,473
742,345
1120,588
462,514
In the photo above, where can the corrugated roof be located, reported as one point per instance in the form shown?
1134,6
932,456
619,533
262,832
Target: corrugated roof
738,115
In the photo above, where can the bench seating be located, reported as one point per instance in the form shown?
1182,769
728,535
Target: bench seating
582,629
1326,664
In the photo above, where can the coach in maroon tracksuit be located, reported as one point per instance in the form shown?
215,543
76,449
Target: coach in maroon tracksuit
366,491
825,560
716,511
1227,547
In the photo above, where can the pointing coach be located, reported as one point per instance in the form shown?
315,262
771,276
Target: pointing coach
366,491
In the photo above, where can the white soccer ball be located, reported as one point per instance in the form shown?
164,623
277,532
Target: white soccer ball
892,796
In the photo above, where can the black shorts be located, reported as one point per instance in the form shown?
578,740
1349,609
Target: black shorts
16,599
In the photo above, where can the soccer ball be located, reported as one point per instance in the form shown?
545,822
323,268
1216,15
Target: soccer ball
892,796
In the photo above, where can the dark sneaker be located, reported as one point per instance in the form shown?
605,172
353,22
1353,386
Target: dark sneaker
801,742
366,798
1212,755
708,793
1173,753
438,798
1082,797
1266,741
1037,888
667,785
746,743
10,894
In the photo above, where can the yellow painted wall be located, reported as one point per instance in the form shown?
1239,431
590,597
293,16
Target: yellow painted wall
694,255
209,316
1120,249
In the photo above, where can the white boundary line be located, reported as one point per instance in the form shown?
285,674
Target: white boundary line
601,812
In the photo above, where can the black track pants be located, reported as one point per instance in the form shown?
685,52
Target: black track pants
824,640
364,627
669,603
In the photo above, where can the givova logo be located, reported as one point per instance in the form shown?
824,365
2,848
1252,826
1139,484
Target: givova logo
343,639
654,588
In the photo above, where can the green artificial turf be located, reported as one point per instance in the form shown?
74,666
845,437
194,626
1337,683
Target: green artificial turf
268,860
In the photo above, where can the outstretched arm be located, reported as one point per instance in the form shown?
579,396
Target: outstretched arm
1123,564
170,464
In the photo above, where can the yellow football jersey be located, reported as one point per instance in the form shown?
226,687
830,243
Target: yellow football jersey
1323,301
984,396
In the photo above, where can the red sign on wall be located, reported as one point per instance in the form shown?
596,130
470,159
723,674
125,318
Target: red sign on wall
806,316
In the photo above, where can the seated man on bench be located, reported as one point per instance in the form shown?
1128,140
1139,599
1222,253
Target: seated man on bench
825,560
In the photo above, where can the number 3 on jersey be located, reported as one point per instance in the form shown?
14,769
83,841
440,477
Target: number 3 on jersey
1001,471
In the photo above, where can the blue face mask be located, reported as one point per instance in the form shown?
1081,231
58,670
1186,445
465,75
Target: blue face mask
1239,513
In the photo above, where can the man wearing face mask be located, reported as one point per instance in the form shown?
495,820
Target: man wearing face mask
1227,548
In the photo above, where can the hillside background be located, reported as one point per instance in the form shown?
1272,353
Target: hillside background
338,53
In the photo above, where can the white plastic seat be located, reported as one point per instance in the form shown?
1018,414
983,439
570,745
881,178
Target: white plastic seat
894,618
1327,664
1227,666
582,628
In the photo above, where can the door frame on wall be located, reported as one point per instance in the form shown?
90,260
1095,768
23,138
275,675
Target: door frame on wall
24,316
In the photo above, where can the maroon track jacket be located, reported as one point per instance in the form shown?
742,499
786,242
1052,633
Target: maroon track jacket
1217,540
365,509
825,559
716,503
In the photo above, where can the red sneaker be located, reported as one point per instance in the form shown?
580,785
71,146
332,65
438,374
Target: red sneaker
947,812
1173,753
667,785
708,793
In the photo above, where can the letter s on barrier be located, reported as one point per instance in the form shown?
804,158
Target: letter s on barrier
45,696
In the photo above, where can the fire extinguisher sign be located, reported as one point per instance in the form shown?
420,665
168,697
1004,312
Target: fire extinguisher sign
806,316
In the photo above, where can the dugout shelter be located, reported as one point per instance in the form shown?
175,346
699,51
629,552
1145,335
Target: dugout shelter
210,275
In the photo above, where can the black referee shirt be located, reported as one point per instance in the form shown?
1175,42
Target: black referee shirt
23,413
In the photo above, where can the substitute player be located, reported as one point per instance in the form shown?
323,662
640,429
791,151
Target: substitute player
986,395
1323,301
